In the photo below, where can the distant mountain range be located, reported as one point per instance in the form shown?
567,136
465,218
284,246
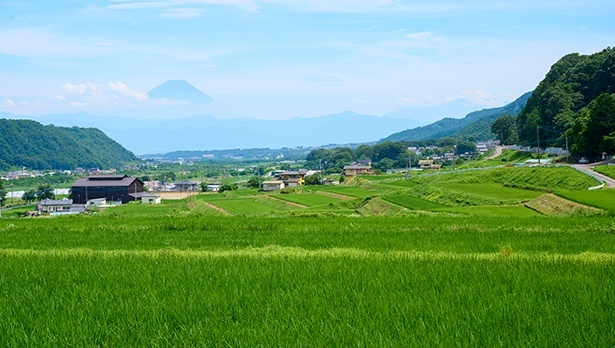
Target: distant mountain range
476,126
207,132
203,131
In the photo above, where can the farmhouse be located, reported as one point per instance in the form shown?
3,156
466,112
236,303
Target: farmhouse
55,206
428,164
186,186
356,169
113,188
292,178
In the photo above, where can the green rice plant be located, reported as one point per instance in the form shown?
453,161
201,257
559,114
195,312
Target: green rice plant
602,199
350,191
291,297
514,211
251,205
496,191
412,202
607,170
508,157
429,233
532,178
307,199
379,207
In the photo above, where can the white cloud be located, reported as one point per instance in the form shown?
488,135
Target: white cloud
479,97
110,94
78,104
123,89
10,104
181,13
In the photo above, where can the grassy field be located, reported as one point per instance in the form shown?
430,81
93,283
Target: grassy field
307,199
411,202
401,270
606,170
307,281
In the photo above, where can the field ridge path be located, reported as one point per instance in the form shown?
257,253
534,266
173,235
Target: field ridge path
335,195
292,204
216,208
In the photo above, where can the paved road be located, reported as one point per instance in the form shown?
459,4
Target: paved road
498,151
589,170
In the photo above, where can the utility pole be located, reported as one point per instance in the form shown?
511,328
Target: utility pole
454,150
567,153
538,144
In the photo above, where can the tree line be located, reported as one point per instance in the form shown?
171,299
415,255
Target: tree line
384,156
574,102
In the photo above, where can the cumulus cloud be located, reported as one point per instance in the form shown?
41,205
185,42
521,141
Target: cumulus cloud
100,94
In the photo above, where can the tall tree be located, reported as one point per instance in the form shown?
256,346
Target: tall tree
600,126
505,129
2,194
44,192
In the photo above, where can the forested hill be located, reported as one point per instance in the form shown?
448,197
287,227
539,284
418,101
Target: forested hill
574,99
475,126
26,143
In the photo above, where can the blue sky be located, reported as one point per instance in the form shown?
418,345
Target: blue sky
279,59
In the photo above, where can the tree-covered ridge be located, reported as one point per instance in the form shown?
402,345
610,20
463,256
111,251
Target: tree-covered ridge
564,102
474,127
26,143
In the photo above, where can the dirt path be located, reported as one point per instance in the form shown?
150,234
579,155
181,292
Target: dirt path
209,205
498,152
174,194
292,204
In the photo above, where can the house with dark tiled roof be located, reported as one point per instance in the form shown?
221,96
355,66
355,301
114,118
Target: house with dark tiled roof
114,188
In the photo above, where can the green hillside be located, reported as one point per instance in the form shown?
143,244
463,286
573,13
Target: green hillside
575,99
26,143
475,126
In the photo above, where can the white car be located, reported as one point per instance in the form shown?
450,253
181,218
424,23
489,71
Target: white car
583,160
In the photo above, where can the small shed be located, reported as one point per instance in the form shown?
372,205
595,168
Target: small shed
213,187
273,185
150,198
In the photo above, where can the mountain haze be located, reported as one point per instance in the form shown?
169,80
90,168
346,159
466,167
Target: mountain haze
475,126
207,132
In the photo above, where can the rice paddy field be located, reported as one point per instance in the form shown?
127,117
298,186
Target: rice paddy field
391,268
